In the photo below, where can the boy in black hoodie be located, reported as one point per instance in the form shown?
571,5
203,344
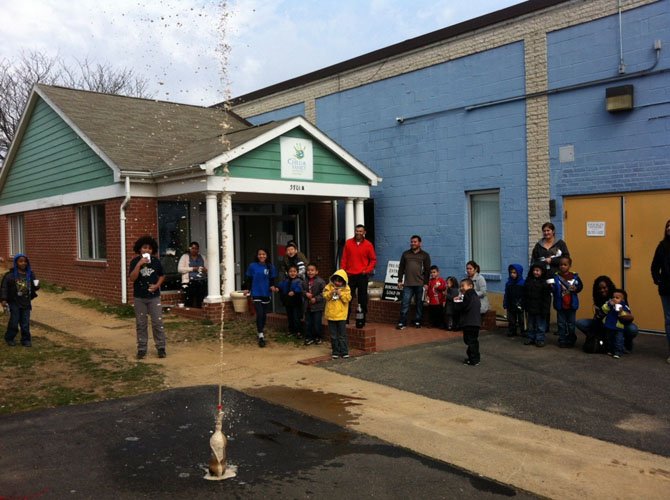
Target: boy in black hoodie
537,299
16,293
470,320
513,299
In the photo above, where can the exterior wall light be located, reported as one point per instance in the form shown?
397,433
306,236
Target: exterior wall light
619,98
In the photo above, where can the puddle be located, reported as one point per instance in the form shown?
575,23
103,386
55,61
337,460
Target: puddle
332,407
638,422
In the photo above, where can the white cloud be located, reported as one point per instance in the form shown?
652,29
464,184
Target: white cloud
174,43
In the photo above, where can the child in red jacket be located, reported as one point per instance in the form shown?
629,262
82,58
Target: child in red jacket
436,297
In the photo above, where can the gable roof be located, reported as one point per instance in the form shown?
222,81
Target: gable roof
141,135
148,138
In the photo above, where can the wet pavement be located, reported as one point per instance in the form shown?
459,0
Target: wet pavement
156,446
622,401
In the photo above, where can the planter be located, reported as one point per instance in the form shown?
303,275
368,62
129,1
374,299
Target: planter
240,302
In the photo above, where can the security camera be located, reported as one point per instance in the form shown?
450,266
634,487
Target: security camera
400,119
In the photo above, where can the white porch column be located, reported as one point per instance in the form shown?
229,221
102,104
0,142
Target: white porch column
360,214
213,272
348,218
228,244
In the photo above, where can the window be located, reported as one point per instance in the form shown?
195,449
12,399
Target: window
485,231
16,243
91,232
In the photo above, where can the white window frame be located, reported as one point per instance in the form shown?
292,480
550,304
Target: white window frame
94,230
487,267
16,234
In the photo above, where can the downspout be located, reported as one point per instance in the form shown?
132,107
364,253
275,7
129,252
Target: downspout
622,65
122,220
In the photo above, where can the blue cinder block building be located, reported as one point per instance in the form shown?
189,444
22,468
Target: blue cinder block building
547,111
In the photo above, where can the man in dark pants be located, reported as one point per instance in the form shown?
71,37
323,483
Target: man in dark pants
358,261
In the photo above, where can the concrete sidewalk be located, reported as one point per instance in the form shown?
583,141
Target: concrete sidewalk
537,458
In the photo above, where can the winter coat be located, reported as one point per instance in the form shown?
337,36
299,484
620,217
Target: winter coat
560,289
435,293
315,287
337,298
537,296
468,310
294,285
513,297
480,288
660,267
614,320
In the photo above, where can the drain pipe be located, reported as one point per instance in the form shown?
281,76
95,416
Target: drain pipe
622,65
122,220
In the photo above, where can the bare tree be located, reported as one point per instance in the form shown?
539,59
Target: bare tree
17,79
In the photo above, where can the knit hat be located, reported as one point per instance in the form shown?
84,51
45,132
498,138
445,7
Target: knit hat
292,244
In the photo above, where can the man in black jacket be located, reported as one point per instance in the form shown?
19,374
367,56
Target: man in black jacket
413,277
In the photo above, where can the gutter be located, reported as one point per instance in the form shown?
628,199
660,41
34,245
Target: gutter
122,220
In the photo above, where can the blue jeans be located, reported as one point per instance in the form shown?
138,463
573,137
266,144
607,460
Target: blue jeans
338,337
18,317
313,326
665,300
407,292
537,325
615,342
566,326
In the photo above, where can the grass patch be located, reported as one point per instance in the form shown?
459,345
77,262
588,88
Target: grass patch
123,311
59,371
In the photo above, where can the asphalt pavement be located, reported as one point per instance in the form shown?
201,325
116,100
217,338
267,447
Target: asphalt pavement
157,446
624,401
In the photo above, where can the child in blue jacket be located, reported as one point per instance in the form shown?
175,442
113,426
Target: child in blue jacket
291,294
513,300
617,314
565,288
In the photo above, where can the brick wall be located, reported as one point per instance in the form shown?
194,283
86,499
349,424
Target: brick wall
51,243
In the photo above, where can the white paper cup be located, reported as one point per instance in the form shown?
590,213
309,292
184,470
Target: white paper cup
146,256
36,282
618,307
181,305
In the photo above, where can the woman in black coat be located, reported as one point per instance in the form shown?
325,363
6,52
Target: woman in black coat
660,273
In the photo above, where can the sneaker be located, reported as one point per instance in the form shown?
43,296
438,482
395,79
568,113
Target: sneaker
309,342
400,326
318,341
345,356
335,356
528,342
162,353
539,344
12,343
616,356
417,324
141,354
466,361
261,341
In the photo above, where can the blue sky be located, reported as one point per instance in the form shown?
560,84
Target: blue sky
176,44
